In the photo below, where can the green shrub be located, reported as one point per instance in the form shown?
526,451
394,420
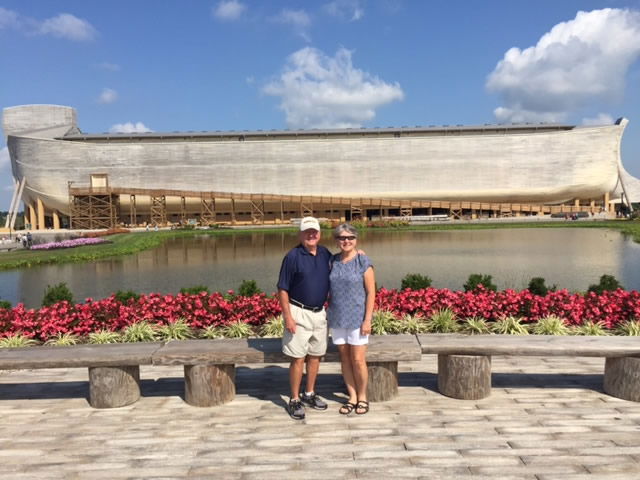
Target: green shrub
590,327
178,330
212,332
551,325
57,293
629,328
382,322
16,341
273,327
5,304
248,288
537,287
358,223
411,324
104,336
139,332
63,340
607,283
510,326
475,326
415,281
124,296
237,329
442,321
195,290
476,279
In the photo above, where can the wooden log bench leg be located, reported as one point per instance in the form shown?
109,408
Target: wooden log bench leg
111,387
622,378
209,385
383,381
467,377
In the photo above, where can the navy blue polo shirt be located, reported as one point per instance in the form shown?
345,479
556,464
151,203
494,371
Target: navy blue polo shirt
306,277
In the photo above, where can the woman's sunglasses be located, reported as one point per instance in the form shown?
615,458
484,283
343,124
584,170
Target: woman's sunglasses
344,238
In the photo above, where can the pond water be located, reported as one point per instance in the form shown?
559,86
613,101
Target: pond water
571,258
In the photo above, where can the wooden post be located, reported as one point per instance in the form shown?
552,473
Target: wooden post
183,210
133,216
383,381
56,220
467,377
209,385
111,387
233,210
32,217
622,378
40,206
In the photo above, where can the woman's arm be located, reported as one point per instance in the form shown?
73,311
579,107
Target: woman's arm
370,290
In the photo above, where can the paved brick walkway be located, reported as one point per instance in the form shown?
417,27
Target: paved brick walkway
546,419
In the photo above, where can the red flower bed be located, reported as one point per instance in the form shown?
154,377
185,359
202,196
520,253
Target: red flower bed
204,309
611,308
198,311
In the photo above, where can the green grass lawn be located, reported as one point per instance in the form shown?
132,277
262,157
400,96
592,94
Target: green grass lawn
128,243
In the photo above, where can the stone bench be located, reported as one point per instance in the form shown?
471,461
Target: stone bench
464,361
114,369
209,365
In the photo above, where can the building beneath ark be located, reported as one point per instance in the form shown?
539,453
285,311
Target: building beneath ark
67,177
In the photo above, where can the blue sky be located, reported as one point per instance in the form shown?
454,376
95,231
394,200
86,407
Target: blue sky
166,65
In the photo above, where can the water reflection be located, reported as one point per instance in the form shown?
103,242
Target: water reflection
571,258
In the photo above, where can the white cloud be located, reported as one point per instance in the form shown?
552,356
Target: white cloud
9,19
108,95
111,67
68,26
130,127
574,64
229,10
298,19
5,160
351,10
318,91
601,119
63,25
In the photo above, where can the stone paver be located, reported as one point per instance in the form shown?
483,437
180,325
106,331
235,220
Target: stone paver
547,419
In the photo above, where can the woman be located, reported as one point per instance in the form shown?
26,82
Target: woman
351,297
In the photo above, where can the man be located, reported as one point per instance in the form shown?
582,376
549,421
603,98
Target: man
303,286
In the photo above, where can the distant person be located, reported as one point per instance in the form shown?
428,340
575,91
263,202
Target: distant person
351,299
29,240
303,285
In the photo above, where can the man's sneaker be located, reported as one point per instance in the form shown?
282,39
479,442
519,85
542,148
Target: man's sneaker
313,401
296,409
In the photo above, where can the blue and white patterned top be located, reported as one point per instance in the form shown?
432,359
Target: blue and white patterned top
347,294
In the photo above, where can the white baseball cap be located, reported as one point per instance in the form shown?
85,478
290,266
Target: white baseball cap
309,222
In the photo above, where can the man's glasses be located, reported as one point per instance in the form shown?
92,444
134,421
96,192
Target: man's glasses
344,238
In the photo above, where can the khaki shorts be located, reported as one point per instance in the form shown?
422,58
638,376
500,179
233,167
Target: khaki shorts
311,334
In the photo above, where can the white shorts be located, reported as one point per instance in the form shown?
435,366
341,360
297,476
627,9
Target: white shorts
340,336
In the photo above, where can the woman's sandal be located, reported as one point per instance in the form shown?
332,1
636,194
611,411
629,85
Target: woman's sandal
347,408
362,407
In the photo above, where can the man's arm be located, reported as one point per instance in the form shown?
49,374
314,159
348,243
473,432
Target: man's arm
289,322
